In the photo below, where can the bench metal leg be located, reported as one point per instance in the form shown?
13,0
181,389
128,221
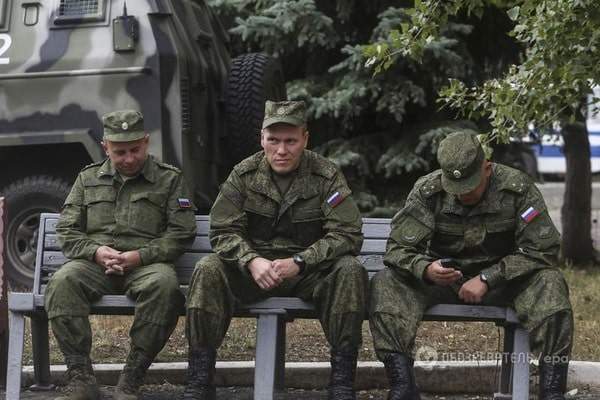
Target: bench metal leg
280,360
15,355
41,353
267,332
520,387
504,386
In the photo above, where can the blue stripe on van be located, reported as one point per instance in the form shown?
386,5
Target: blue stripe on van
556,151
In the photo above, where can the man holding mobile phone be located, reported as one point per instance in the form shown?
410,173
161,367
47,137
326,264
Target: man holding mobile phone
479,233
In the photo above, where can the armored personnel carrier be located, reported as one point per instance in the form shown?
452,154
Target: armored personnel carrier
64,63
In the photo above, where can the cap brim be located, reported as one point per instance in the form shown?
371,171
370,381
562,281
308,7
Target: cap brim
461,186
124,137
285,120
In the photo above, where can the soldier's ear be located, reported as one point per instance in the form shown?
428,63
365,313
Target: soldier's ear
306,136
104,147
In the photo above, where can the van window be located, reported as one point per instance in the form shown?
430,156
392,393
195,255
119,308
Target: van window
74,11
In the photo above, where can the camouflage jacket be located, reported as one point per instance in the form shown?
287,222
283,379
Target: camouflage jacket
250,218
150,213
497,236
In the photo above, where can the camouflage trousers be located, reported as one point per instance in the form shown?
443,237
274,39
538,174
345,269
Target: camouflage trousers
338,292
79,283
540,299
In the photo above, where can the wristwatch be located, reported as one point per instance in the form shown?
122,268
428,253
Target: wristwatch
484,279
299,260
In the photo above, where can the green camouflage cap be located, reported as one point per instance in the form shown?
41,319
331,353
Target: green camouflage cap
123,126
460,156
289,112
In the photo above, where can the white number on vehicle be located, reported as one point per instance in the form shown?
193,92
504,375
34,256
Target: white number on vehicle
5,42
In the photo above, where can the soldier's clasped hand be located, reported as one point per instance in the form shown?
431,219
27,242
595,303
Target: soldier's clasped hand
105,256
264,274
440,275
123,262
286,268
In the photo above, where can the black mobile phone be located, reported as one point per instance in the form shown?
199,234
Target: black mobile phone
448,262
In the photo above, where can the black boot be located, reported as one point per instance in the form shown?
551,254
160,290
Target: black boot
81,382
343,370
132,376
201,373
553,380
401,375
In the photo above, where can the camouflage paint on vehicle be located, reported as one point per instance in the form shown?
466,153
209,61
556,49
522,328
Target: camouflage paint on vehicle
64,63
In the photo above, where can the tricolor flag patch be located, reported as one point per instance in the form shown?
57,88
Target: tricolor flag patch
530,214
335,199
184,203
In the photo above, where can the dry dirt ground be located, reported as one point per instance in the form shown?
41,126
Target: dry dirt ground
169,392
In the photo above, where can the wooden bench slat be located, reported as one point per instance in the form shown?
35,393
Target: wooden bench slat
201,244
373,228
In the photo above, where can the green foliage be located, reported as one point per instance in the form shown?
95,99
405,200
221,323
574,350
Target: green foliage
371,119
557,73
398,159
323,42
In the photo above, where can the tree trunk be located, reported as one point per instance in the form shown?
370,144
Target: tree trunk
577,207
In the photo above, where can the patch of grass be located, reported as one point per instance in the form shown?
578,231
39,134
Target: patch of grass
306,342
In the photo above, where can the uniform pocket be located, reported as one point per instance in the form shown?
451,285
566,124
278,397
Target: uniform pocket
500,237
147,212
308,225
448,239
100,207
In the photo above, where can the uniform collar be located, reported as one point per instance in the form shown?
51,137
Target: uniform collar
148,170
300,186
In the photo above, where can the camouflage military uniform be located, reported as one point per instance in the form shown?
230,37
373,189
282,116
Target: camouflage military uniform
304,212
517,257
149,213
506,238
250,218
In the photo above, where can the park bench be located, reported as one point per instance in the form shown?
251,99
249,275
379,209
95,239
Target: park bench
272,315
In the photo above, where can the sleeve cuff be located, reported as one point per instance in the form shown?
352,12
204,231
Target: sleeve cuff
91,250
494,276
244,260
419,269
309,258
145,256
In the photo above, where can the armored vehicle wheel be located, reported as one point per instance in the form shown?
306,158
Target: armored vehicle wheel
26,198
253,78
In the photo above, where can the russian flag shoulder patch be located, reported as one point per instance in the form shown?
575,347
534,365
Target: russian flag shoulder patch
184,203
529,214
335,199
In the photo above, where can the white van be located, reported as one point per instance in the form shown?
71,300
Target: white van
550,155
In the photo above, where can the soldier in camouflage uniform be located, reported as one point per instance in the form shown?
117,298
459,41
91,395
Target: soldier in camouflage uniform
284,224
123,224
492,222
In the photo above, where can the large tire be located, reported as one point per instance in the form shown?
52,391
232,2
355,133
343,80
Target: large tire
26,198
253,79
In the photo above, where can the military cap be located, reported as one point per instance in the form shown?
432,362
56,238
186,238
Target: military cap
123,126
460,156
289,112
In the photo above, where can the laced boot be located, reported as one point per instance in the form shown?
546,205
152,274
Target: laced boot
399,369
132,376
81,383
201,374
553,380
343,370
